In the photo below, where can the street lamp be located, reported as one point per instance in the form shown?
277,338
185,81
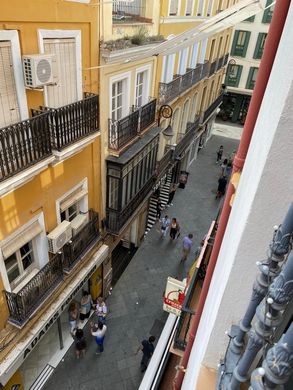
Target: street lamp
166,112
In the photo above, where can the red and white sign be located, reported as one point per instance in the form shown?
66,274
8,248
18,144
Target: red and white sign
174,296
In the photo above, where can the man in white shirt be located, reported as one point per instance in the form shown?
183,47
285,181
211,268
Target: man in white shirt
98,331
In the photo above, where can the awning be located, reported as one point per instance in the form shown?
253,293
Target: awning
20,240
74,197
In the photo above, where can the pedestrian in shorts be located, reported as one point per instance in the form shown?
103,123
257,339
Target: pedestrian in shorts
187,244
165,223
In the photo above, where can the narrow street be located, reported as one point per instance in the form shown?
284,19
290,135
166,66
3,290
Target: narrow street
135,306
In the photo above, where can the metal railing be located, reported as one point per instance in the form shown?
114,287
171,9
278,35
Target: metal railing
81,242
128,12
22,304
23,145
124,130
213,67
74,121
225,60
117,219
207,113
186,138
169,91
163,164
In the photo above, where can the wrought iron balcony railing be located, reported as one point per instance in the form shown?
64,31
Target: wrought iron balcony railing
117,219
207,113
213,67
225,60
81,242
186,80
21,305
73,122
220,63
168,91
186,138
124,130
129,12
23,145
196,74
205,70
163,164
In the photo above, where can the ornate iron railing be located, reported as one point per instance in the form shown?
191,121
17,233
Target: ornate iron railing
186,80
23,145
205,70
128,12
163,164
220,63
196,74
124,130
168,91
186,138
22,304
213,67
225,60
73,122
81,242
212,107
117,219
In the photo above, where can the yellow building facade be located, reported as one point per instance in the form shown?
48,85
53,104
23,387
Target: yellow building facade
50,178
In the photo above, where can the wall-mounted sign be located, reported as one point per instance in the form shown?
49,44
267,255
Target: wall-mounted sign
174,296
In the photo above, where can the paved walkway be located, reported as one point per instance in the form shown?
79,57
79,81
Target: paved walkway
136,302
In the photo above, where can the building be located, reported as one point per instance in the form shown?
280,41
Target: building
49,180
245,55
141,154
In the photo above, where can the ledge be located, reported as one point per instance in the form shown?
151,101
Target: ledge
111,55
23,177
64,154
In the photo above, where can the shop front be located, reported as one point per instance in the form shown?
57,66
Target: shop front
36,356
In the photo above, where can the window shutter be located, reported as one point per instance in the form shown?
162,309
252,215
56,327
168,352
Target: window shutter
247,37
235,39
9,108
65,92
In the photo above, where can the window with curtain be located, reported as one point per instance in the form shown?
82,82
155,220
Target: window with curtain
240,43
251,78
233,75
260,43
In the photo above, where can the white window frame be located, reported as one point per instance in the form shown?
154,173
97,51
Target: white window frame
168,68
194,55
146,85
83,203
182,61
200,8
178,8
203,49
119,77
12,36
61,34
192,8
40,249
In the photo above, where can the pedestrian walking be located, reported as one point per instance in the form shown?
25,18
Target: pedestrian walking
187,244
72,317
165,223
171,194
98,331
85,306
80,343
158,208
228,169
220,153
224,166
147,348
222,183
174,229
101,310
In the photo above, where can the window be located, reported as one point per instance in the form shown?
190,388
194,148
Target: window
210,7
18,263
260,43
168,68
189,7
174,7
182,61
184,117
251,78
233,75
118,108
73,203
240,43
113,192
268,13
141,88
200,7
194,54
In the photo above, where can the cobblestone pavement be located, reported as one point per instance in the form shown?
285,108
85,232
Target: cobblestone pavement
136,302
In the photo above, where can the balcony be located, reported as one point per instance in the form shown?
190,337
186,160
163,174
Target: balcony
169,91
23,145
213,67
21,305
71,123
81,242
207,113
117,219
129,12
163,164
122,131
185,139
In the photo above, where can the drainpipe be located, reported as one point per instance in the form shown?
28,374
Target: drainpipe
270,49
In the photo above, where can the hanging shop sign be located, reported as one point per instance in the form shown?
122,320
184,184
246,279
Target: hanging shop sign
174,296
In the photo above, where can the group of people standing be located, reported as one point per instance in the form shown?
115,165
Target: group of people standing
226,170
80,312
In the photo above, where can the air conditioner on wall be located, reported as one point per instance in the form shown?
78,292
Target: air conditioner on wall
39,70
78,222
58,237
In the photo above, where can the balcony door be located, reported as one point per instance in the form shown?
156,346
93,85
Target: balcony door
119,99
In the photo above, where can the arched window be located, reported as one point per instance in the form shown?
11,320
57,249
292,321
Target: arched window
184,116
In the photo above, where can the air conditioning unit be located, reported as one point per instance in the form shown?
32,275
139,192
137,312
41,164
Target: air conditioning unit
59,236
39,70
78,222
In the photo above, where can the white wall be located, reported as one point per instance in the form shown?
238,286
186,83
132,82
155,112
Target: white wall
263,197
